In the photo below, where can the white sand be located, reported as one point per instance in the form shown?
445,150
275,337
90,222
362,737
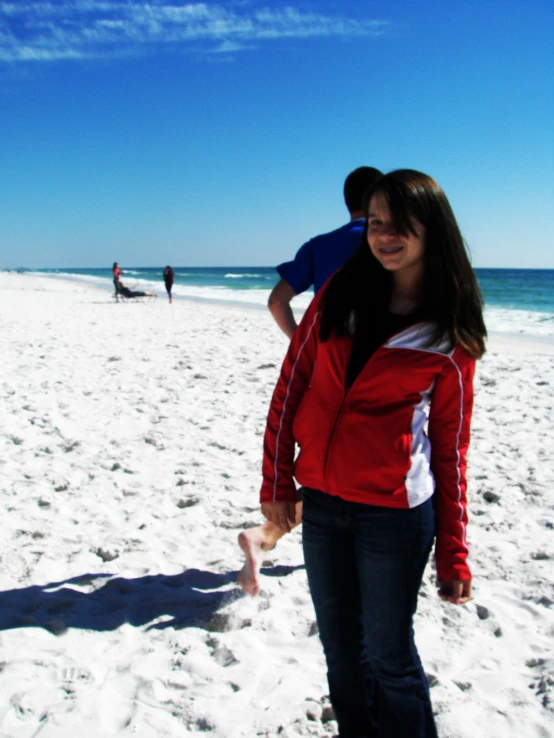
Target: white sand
130,460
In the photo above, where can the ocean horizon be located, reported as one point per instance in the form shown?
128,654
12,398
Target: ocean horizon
517,301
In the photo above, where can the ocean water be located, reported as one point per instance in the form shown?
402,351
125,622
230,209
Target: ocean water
517,301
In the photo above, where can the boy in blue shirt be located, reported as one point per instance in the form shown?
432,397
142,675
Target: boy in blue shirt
321,256
313,264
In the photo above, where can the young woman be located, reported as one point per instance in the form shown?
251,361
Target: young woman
376,390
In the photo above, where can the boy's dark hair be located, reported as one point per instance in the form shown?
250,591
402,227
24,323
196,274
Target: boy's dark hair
356,184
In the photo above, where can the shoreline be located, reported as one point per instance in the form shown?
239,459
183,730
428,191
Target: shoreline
497,340
107,287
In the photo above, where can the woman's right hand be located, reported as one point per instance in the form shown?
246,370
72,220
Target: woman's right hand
457,592
281,514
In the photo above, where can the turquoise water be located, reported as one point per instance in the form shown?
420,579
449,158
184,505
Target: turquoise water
520,289
516,300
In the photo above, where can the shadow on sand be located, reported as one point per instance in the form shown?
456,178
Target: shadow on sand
102,603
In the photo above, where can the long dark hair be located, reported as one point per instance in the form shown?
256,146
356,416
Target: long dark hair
359,294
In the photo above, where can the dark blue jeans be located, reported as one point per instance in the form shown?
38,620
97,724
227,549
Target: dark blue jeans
365,565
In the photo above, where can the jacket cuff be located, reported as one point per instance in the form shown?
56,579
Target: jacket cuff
283,493
455,570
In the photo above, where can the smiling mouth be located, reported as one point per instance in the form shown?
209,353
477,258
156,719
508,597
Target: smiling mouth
391,250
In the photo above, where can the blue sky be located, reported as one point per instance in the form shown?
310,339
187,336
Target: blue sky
220,133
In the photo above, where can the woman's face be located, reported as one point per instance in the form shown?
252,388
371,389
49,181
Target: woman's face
395,252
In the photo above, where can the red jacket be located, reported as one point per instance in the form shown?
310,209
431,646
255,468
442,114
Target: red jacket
399,434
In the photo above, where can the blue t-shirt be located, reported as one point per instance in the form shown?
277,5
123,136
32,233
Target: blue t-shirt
319,257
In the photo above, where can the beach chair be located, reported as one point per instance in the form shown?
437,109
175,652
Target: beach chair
125,294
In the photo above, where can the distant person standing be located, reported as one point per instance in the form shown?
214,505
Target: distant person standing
169,278
116,273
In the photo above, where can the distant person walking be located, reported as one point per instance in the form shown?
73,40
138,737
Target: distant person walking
169,278
117,272
313,264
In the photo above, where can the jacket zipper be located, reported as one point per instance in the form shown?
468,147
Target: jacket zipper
337,418
346,391
332,436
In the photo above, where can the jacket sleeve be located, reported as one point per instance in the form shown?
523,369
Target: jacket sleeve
449,432
279,446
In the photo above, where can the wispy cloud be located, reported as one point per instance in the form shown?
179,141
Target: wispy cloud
35,31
